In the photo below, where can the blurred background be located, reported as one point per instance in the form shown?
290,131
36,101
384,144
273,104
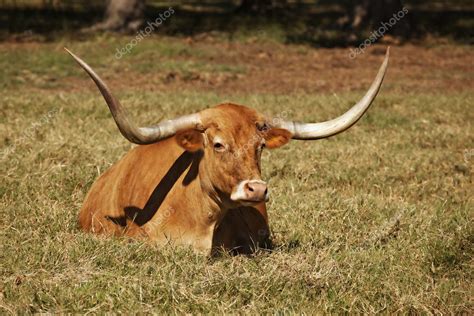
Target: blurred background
320,22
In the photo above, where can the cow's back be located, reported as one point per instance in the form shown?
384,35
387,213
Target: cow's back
127,184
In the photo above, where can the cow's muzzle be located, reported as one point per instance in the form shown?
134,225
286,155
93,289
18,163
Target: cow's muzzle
250,191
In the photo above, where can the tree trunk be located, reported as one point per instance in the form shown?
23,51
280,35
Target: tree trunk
122,16
376,13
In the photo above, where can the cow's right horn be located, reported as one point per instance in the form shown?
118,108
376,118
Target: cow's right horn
139,135
309,131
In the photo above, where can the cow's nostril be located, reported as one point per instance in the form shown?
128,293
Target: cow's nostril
250,189
266,191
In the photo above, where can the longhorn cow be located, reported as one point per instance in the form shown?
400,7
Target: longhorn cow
196,180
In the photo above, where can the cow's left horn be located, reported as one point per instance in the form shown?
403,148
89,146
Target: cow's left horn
309,131
139,135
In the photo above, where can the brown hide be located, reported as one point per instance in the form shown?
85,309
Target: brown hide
158,192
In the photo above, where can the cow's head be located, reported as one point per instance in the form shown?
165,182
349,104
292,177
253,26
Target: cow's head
232,137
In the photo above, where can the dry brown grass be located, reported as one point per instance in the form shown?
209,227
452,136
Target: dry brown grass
376,219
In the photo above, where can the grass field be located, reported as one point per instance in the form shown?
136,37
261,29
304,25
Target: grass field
376,219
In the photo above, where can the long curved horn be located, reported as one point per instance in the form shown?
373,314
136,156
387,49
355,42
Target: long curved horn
310,131
139,135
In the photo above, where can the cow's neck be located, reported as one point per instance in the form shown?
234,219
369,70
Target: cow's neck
192,210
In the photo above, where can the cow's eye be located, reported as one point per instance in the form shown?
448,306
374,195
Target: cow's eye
219,147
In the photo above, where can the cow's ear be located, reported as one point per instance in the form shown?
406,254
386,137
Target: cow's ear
276,137
191,140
